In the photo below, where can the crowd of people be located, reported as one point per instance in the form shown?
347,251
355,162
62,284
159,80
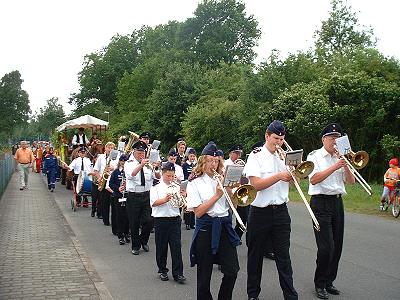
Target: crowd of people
134,194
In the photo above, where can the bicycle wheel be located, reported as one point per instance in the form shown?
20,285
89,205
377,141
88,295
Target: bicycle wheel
395,206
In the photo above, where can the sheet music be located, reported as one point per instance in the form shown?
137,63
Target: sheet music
293,158
233,173
343,145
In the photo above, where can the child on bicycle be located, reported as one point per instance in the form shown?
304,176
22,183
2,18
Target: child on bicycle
391,176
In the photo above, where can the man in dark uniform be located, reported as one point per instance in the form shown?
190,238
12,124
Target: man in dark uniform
326,188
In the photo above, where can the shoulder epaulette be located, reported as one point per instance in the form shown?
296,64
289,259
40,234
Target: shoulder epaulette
155,182
312,152
256,150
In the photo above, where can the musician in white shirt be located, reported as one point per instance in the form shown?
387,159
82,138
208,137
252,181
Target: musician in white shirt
139,179
214,240
268,215
172,156
104,163
167,224
235,152
326,188
81,163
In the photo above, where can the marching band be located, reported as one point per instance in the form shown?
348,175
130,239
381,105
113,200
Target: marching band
144,193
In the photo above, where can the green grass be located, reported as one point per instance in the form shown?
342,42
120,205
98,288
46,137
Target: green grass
356,200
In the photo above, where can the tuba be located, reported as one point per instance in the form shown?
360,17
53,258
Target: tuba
133,137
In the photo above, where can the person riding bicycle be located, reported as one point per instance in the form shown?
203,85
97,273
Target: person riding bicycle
391,176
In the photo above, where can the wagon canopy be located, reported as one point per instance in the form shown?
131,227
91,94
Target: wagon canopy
86,121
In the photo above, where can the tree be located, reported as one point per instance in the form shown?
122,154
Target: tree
103,70
221,31
49,117
342,31
14,102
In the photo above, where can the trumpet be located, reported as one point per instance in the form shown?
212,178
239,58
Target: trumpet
217,177
301,169
177,200
358,161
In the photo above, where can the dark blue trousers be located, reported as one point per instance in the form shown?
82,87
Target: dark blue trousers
51,178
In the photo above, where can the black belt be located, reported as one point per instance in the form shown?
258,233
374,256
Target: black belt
271,206
140,194
328,196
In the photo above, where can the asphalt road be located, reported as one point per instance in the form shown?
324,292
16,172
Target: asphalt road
369,268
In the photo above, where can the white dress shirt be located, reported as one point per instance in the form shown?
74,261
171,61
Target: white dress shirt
101,163
179,172
201,189
263,164
164,210
228,162
133,183
334,183
76,165
81,139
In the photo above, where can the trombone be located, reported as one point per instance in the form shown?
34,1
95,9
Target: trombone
302,170
358,161
243,194
217,177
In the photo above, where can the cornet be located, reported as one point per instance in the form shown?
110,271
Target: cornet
177,200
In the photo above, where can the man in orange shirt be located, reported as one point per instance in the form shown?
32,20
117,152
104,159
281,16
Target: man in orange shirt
24,158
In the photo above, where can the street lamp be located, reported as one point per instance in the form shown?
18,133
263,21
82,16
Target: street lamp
108,116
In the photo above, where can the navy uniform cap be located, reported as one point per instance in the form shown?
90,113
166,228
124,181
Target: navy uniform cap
140,145
220,153
277,128
172,153
257,145
236,148
123,157
169,166
144,135
192,151
332,129
82,149
210,149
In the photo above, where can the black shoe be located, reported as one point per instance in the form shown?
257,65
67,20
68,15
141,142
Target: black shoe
331,289
164,276
192,227
180,278
152,230
253,298
135,251
99,217
146,249
106,224
21,188
270,255
127,239
121,241
321,293
92,214
187,227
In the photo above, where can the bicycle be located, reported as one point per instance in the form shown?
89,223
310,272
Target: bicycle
393,200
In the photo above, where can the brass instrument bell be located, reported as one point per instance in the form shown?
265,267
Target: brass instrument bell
358,159
244,195
304,169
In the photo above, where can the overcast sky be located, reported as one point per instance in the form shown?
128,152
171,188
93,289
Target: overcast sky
46,40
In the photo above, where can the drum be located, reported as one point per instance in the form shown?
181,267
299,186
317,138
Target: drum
83,184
